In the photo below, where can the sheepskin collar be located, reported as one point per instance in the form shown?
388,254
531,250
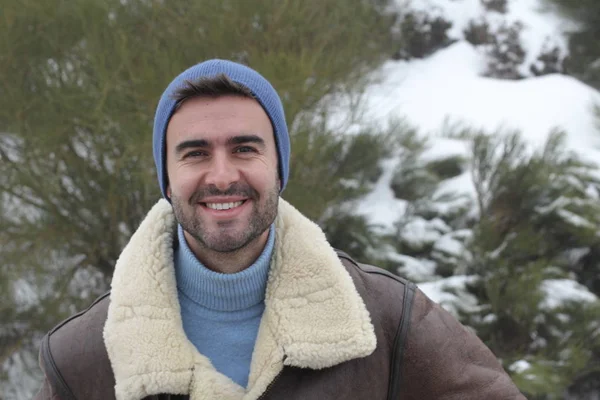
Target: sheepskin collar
313,318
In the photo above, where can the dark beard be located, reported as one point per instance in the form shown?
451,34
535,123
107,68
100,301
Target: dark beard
261,218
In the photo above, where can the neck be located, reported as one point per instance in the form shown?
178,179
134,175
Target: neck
229,262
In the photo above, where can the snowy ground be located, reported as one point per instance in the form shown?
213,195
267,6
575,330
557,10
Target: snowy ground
447,87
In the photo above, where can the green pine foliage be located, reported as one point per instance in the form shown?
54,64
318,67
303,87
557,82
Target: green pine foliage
81,80
584,48
537,211
432,217
519,261
329,167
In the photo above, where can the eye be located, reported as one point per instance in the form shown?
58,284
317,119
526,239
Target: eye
245,149
195,153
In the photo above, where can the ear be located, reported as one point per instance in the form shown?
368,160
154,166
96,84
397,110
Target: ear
168,192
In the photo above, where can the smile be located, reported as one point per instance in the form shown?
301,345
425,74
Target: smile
224,206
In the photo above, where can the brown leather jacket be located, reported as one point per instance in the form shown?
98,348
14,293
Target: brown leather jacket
331,329
422,353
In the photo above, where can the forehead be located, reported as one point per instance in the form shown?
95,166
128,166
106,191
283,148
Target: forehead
217,119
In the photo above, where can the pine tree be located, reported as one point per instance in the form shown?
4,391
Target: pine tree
81,81
538,215
515,262
583,61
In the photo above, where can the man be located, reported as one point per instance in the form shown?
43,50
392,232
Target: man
226,291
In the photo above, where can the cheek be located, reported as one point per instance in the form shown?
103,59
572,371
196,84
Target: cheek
182,182
265,179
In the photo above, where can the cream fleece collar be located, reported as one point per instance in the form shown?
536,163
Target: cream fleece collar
313,318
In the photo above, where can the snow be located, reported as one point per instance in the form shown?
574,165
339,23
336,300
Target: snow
444,92
450,246
447,86
458,12
420,232
439,225
490,318
592,192
519,366
462,184
25,294
557,204
451,293
542,26
448,206
575,219
557,292
380,205
444,148
19,367
575,255
413,268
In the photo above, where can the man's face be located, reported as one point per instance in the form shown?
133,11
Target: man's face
222,169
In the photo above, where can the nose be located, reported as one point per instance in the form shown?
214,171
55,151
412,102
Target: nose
222,172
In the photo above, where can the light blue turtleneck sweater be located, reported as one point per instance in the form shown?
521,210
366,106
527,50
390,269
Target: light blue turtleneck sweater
221,312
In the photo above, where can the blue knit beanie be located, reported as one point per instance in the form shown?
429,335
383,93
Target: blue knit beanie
262,90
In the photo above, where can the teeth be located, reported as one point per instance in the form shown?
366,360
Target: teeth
224,206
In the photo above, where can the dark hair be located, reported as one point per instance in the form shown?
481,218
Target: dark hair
216,86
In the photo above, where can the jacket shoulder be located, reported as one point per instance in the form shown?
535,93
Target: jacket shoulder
372,275
389,299
74,357
451,357
434,354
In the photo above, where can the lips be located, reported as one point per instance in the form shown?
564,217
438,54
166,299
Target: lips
223,205
224,209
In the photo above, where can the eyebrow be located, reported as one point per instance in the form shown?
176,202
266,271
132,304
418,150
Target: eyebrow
241,139
191,144
234,140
